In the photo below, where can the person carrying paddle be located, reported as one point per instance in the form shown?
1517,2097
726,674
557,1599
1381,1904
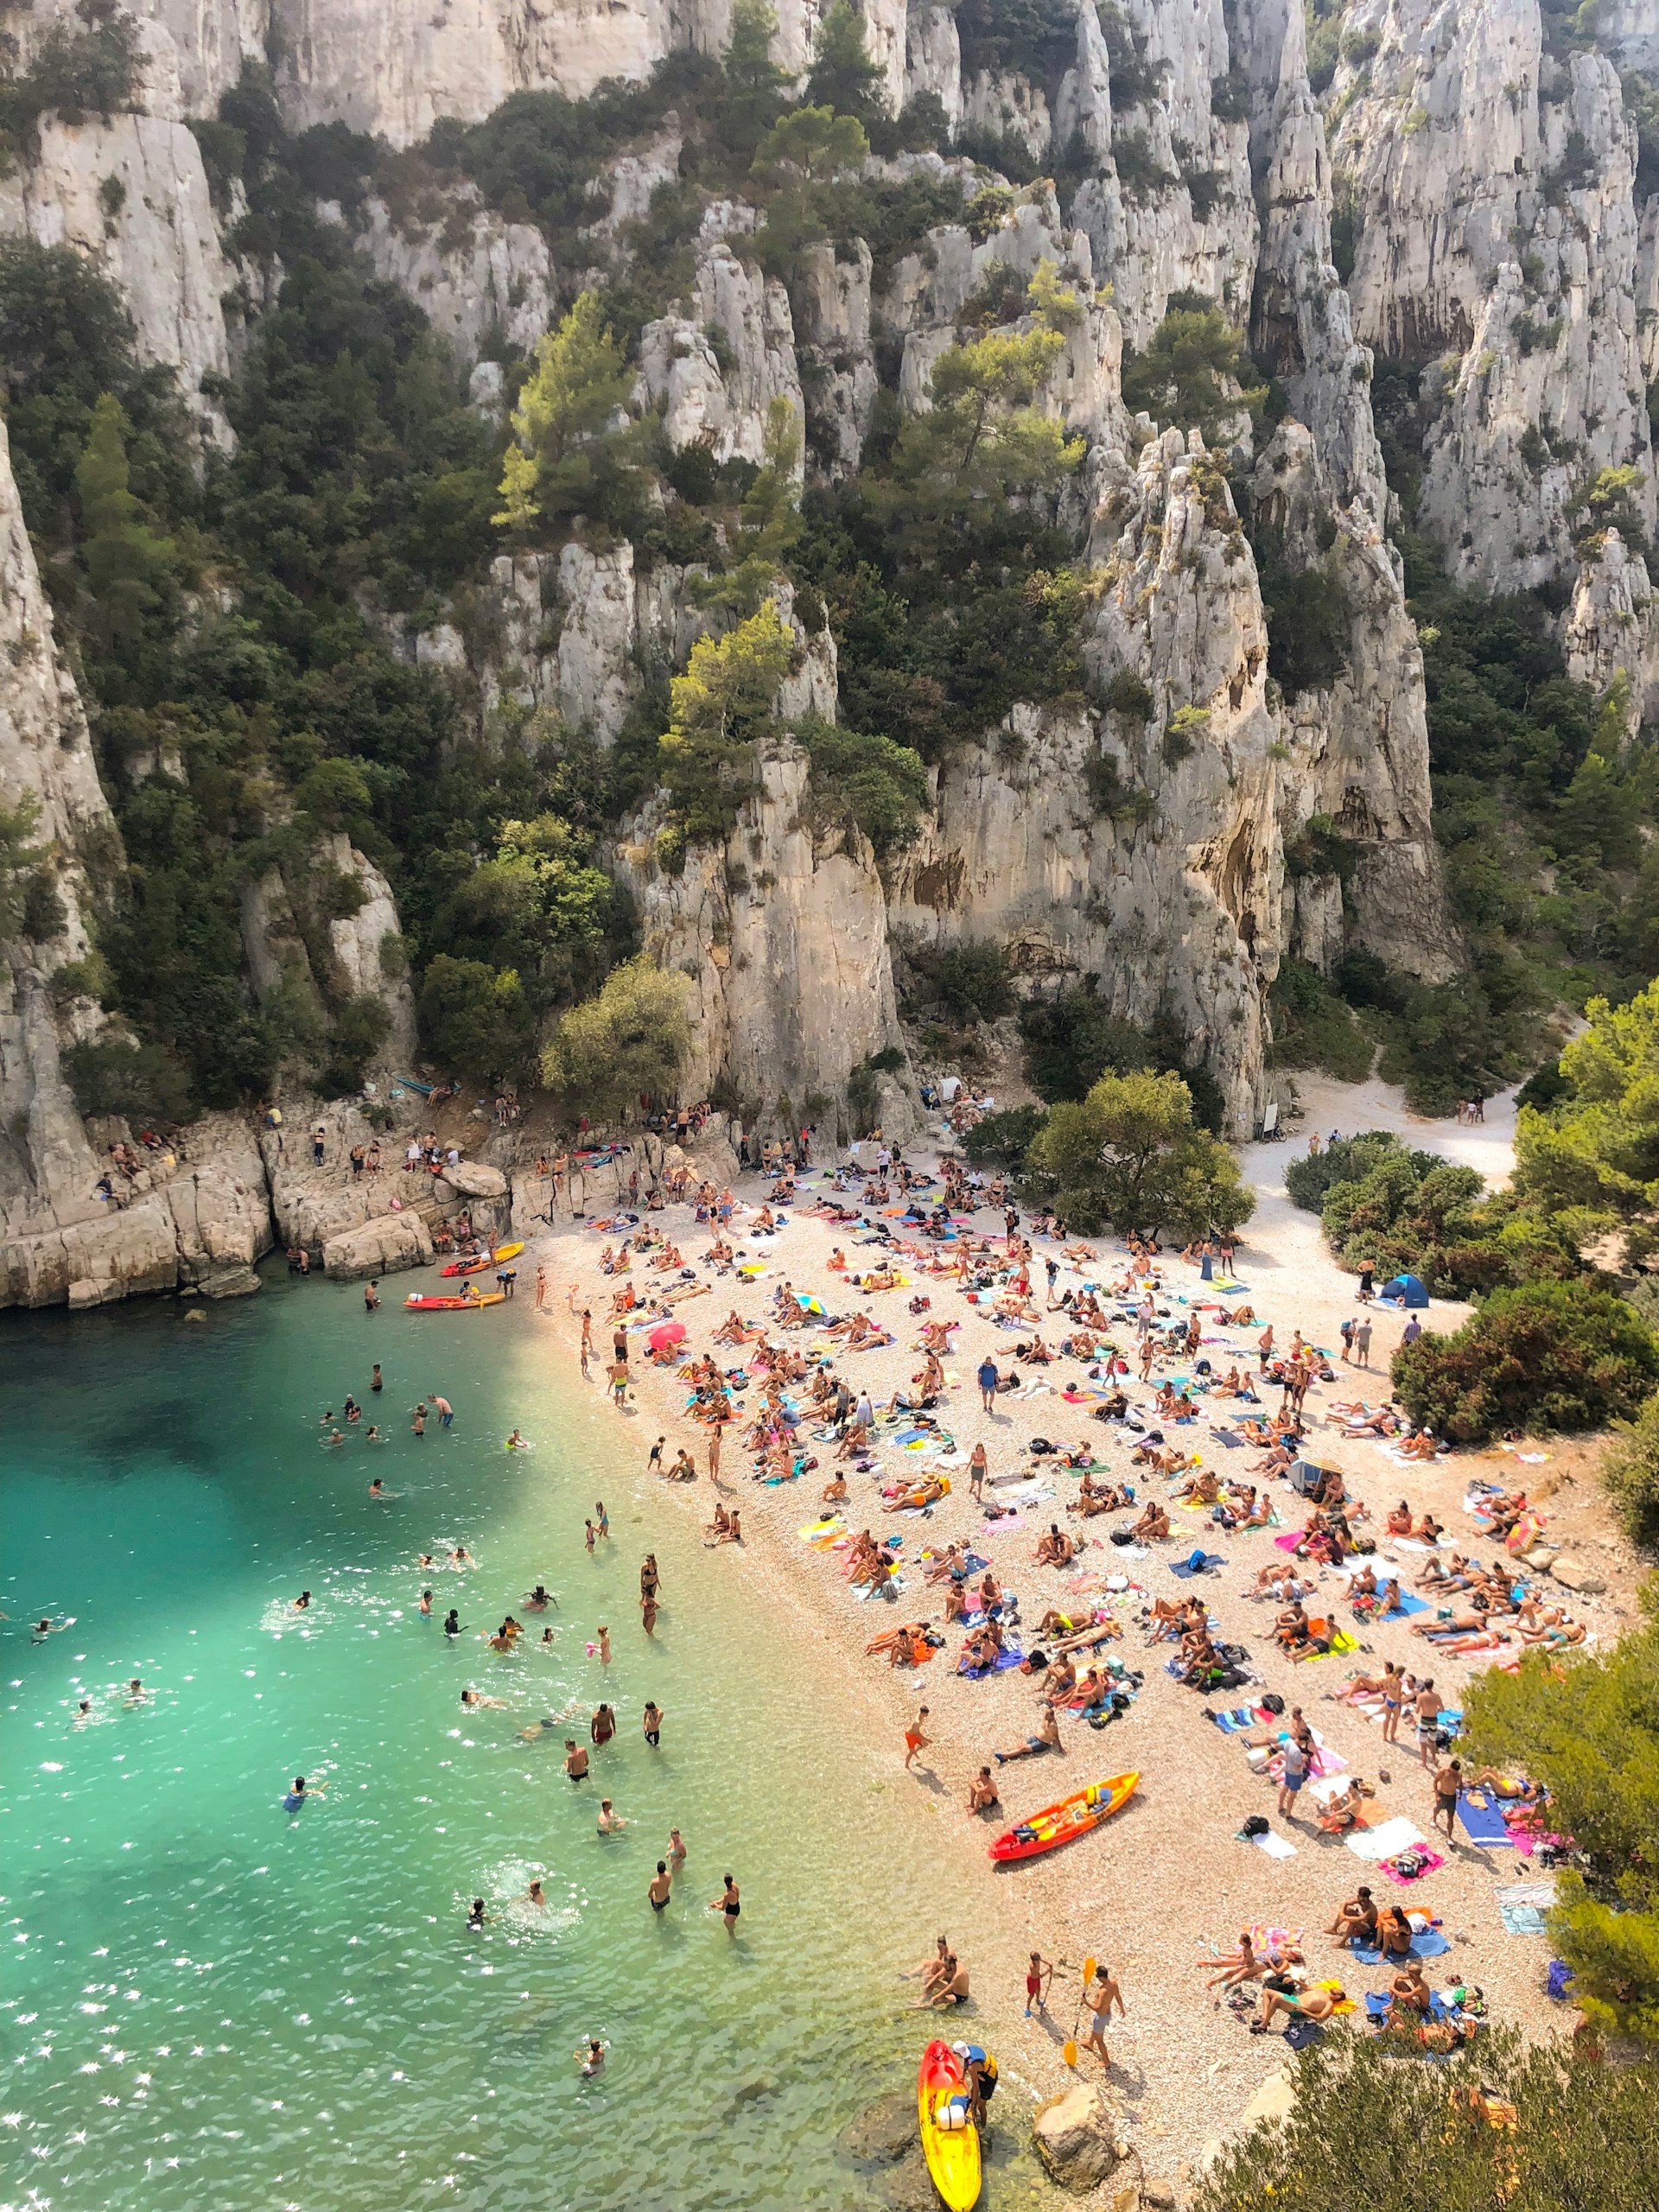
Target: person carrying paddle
1101,1997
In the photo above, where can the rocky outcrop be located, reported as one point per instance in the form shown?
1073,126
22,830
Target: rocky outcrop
783,931
474,275
1080,2138
713,371
1496,243
321,935
1612,628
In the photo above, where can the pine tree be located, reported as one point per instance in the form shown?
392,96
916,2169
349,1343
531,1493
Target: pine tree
563,417
842,75
130,570
755,86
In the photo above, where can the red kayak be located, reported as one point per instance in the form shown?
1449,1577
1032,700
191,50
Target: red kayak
1073,1816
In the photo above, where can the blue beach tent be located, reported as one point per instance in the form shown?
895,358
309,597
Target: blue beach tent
1405,1290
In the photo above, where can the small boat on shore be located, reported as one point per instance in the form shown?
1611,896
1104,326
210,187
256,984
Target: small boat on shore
479,1261
950,2139
417,1304
1072,1816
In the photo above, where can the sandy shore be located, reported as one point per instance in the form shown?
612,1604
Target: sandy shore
1151,1891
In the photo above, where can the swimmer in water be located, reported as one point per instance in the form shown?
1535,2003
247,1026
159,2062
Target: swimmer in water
547,1635
354,1411
594,2057
375,1436
472,1697
378,1489
461,1557
648,1615
426,1603
516,1443
609,1819
425,1559
653,1723
452,1623
334,1436
602,1519
43,1628
84,1712
539,1599
303,1603
675,1849
604,1635
661,1887
296,1797
534,1895
136,1694
475,1917
575,1760
376,1384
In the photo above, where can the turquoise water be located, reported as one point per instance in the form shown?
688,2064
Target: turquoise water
211,2003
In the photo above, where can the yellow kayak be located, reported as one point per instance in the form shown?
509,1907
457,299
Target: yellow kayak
507,1251
951,2152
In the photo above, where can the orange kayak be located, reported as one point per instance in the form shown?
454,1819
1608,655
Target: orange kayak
419,1305
1073,1816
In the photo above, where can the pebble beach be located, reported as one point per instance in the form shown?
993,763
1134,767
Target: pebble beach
1167,1882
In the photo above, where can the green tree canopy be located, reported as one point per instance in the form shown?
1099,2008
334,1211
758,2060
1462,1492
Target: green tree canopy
475,1018
1194,374
842,75
130,569
1593,1159
631,1040
581,380
1381,2131
1130,1154
1586,1726
19,857
719,708
1547,1355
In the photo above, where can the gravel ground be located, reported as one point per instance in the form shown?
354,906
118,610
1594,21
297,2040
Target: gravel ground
1166,1878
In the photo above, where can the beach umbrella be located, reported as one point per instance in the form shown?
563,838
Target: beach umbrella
808,1302
666,1333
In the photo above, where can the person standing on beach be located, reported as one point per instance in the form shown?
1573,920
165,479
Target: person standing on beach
713,1451
1363,1342
652,1726
915,1738
587,1338
1100,1997
602,1519
1039,1974
988,1379
978,1468
654,1463
541,1288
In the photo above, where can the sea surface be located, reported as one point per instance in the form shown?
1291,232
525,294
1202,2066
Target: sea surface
211,2003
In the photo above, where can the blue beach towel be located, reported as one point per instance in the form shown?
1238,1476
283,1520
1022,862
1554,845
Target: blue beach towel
1428,1943
1199,1563
1483,1823
1406,1606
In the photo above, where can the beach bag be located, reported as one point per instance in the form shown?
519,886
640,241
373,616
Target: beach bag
1257,1825
1197,1559
1121,1536
1560,1980
1273,1703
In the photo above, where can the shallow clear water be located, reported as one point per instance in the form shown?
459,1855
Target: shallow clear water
210,2003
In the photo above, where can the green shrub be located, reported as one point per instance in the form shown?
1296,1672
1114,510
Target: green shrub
1110,796
1348,1161
140,1083
1630,1471
1309,615
1584,2133
1546,1355
1315,1028
869,781
1003,1139
973,981
1195,372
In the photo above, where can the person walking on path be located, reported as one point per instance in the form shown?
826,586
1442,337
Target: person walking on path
1363,1342
988,1379
978,1468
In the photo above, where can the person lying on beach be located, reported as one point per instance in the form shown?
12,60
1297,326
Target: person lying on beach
1554,1629
1422,1445
1374,1603
1313,2003
1236,1967
1453,1573
1280,1581
923,1495
1047,1738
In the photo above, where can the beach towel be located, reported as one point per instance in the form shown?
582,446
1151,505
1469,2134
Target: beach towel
1482,1822
1386,1839
1199,1563
1409,1866
1003,1662
1010,1524
1275,1846
1523,1904
1289,1543
1407,1606
1426,1943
